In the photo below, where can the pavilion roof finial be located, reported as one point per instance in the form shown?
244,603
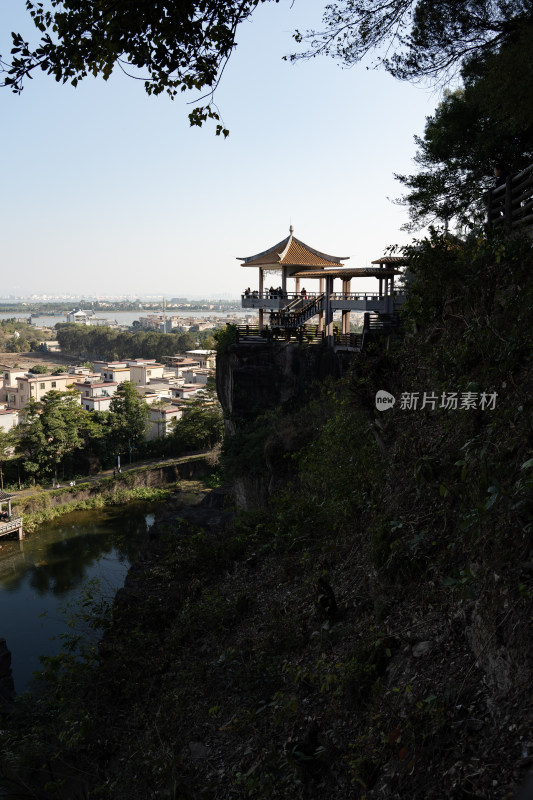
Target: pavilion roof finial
291,229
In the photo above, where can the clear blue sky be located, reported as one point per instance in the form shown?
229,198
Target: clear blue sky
108,191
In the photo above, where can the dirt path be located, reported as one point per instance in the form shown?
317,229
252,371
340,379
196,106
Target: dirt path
108,472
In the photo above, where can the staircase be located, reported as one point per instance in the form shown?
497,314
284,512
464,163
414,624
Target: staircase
296,314
381,323
375,324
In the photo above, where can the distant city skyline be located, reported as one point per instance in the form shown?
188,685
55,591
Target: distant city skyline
106,190
153,298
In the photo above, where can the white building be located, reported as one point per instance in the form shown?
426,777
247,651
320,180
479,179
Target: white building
114,371
160,421
34,387
9,418
80,316
96,395
206,358
143,372
187,391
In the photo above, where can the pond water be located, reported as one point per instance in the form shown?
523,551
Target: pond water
45,577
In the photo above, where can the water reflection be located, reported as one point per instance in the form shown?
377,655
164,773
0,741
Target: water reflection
46,572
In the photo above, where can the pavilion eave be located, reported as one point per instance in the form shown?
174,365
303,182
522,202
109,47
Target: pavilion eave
346,274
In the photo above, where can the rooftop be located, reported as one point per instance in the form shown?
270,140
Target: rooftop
291,252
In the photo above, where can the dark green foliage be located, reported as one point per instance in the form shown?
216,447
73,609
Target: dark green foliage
201,426
51,432
426,39
175,47
108,343
19,337
129,416
225,337
406,516
475,128
244,453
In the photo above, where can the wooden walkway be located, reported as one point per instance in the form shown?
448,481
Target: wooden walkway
12,525
374,324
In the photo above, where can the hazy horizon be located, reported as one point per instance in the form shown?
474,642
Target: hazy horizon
109,191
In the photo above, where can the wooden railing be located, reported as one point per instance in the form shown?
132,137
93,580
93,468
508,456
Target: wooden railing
511,205
253,333
14,524
275,295
307,335
348,341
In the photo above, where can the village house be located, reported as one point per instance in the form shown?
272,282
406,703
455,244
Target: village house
9,380
196,375
187,391
160,420
144,372
178,363
75,370
159,387
150,396
96,396
205,358
113,371
34,387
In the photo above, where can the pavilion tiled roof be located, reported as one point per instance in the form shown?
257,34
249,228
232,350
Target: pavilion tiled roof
397,260
292,252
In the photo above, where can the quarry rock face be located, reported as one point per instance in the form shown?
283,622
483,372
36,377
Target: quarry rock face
253,378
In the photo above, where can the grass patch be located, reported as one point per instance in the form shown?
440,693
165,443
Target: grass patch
33,519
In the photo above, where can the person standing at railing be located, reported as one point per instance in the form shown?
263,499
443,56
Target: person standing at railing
500,175
303,294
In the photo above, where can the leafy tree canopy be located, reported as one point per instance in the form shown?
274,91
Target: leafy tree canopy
488,122
174,46
415,38
52,430
184,46
128,419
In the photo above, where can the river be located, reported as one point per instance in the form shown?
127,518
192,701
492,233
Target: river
45,578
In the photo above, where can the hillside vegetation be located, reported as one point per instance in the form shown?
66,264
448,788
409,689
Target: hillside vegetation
367,633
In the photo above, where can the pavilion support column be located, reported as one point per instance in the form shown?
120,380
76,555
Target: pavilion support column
346,314
329,313
321,313
284,281
297,286
261,286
